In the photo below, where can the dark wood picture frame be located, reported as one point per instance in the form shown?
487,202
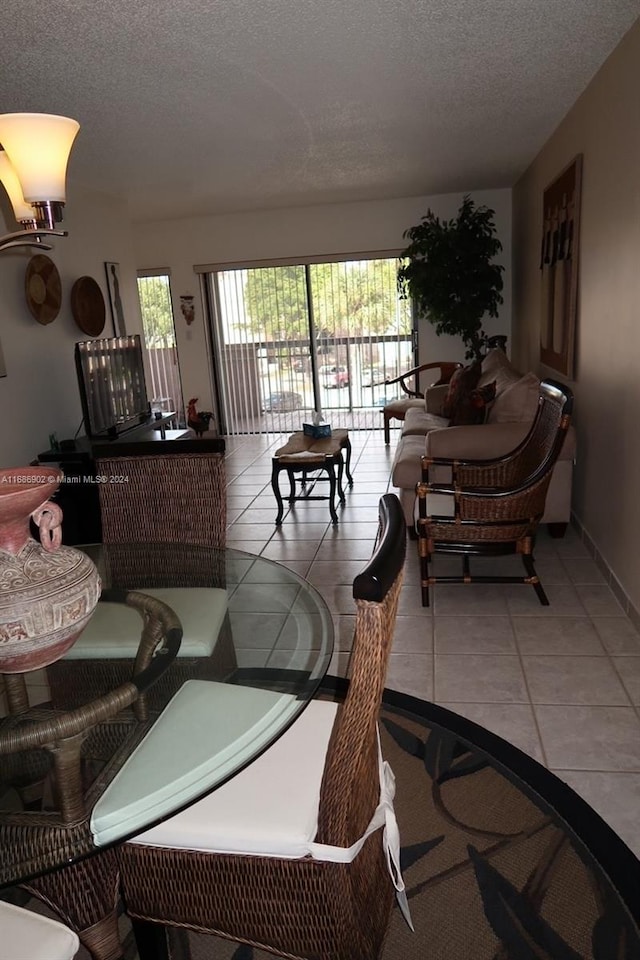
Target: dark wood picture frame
559,258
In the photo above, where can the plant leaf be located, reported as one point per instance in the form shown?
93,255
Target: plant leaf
520,928
415,851
406,740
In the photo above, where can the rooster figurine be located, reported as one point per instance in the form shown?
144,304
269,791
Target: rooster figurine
197,421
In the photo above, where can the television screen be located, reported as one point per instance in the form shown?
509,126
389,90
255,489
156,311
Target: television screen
112,384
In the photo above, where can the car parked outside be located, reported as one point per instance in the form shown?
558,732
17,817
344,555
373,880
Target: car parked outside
333,376
283,402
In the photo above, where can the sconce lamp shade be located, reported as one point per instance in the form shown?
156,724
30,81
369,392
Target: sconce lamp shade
38,146
22,210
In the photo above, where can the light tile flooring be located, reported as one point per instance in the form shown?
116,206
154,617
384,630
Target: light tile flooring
561,682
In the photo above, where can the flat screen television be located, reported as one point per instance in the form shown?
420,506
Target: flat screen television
112,385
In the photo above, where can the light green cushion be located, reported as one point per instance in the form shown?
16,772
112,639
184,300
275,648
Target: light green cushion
114,629
199,739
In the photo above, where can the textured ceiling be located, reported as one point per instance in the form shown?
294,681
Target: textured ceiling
202,106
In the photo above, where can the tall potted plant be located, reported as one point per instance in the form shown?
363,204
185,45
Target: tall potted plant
449,273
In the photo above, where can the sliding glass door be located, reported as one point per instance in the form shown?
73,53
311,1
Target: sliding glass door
297,339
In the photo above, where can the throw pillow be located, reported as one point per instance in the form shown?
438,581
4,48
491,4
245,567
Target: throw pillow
518,402
457,405
476,410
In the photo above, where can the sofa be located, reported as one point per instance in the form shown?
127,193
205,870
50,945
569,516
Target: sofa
505,422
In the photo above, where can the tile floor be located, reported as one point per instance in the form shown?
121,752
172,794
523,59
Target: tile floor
560,682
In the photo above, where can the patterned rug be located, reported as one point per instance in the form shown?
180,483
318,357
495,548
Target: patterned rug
502,861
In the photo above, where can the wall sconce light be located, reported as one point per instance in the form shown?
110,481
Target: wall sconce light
34,152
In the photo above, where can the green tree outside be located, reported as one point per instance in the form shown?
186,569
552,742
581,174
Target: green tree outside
157,312
351,299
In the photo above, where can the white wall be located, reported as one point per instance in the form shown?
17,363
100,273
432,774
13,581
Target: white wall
330,230
40,393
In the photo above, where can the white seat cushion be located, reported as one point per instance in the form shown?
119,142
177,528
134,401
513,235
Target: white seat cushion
25,935
270,808
204,733
114,629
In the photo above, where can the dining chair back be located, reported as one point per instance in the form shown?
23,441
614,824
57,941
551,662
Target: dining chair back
290,854
497,503
156,495
163,492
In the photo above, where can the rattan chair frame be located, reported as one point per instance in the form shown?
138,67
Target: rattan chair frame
498,502
446,368
35,741
175,493
302,908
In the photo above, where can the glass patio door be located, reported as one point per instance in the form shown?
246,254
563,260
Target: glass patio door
294,339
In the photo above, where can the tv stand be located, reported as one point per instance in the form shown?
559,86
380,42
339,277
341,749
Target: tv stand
78,493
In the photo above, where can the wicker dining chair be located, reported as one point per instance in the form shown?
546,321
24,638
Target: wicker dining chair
155,494
413,397
28,936
266,870
497,504
60,747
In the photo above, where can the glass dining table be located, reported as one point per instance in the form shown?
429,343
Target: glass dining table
194,662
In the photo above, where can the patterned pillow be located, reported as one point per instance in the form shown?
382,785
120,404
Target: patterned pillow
457,404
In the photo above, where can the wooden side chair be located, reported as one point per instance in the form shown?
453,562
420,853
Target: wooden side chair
397,409
170,493
26,934
498,503
290,855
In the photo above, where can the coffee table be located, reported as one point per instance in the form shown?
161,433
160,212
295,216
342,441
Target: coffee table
302,454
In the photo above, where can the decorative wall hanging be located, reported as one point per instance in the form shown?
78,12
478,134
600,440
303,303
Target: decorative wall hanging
559,267
115,298
87,306
43,288
187,308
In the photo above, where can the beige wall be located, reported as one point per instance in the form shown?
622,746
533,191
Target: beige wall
39,394
329,230
604,125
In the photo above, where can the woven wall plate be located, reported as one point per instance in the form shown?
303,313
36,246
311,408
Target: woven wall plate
87,306
43,288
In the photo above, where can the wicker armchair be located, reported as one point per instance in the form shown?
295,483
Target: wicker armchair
158,528
497,504
397,409
276,886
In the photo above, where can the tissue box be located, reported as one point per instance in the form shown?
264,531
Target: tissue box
317,431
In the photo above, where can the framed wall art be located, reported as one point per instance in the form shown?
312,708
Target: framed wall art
560,247
115,298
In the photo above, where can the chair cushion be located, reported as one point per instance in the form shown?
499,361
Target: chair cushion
203,733
114,629
29,936
270,808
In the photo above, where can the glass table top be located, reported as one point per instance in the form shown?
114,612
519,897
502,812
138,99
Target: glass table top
256,642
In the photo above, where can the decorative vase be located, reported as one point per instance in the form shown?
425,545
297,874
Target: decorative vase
47,591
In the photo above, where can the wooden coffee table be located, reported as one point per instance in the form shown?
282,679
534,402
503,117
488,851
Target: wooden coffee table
301,455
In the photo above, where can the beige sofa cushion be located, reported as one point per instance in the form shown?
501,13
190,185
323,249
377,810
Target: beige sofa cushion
517,402
418,423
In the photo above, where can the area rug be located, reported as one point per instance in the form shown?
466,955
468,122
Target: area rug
502,861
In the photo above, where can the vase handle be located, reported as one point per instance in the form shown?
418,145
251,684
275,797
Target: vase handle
48,519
